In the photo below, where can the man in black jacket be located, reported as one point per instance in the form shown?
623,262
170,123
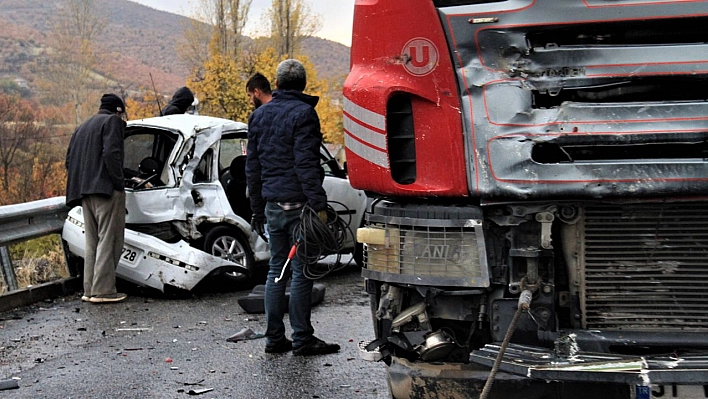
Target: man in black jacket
94,163
180,102
283,172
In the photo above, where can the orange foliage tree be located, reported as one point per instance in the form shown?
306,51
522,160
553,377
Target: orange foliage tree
221,88
144,105
31,156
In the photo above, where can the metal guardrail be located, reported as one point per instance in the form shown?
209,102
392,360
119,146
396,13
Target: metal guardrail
26,221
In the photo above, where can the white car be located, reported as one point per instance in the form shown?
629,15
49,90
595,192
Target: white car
187,213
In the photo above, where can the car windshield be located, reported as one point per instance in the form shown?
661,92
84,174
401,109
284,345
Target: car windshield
148,146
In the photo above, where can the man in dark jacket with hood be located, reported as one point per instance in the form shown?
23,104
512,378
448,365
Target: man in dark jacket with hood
180,102
94,163
283,172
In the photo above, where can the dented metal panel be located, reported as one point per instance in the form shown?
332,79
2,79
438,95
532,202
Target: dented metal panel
151,262
542,364
581,98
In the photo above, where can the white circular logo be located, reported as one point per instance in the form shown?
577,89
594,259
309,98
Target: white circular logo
421,56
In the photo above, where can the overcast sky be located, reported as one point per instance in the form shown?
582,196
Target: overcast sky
336,15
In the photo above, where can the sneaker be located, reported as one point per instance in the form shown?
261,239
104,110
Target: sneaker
283,346
316,346
117,297
86,298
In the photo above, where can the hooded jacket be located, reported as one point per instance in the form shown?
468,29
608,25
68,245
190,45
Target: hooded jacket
283,159
94,159
180,102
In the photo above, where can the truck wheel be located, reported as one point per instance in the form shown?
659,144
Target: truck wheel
218,242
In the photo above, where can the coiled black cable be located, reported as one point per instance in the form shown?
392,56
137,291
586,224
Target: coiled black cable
318,239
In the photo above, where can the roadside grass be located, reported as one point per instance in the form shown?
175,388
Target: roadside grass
37,261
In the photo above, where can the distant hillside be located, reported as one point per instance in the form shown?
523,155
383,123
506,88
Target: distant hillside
141,41
330,58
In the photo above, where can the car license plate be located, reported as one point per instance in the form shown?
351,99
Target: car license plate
674,391
129,254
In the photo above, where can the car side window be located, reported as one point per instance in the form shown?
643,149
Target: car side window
203,171
229,149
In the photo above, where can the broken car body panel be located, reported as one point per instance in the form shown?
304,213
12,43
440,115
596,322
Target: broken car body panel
150,262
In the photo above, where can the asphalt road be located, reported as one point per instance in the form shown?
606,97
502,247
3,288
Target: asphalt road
151,346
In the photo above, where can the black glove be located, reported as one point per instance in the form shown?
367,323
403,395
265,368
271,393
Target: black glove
258,225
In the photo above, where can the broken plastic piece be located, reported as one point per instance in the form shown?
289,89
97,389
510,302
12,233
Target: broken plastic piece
199,391
245,334
8,384
370,355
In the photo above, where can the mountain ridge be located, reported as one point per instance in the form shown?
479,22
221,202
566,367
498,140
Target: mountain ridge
140,41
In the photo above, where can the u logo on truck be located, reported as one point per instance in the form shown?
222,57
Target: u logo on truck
421,55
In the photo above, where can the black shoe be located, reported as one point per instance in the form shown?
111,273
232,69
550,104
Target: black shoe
316,346
283,346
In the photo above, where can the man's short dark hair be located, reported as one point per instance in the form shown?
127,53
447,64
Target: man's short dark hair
258,81
291,75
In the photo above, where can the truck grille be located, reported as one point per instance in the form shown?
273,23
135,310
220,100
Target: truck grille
646,267
428,254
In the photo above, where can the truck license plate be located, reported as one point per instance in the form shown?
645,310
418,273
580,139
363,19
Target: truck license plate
129,254
676,391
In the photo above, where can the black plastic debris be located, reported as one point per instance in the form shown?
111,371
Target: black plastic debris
8,384
254,302
199,391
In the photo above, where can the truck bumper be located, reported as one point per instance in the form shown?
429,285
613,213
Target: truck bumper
417,380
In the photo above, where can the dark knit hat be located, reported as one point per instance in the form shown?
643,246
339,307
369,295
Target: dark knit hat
112,103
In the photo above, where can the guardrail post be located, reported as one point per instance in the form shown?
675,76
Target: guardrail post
7,270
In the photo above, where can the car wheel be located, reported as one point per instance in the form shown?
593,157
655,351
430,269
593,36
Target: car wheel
228,243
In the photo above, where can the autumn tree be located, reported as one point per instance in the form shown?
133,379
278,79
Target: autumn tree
70,75
220,81
222,89
146,104
193,47
216,27
222,85
30,166
290,21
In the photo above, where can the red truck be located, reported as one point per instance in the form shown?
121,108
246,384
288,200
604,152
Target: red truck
539,177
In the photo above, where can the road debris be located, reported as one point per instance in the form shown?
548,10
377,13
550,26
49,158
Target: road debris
193,383
8,384
245,334
199,391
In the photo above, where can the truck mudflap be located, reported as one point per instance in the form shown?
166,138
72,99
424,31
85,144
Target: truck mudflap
544,364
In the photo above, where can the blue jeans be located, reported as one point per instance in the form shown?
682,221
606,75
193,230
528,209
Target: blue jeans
280,231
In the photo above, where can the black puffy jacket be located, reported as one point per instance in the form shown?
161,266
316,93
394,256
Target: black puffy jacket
180,102
283,160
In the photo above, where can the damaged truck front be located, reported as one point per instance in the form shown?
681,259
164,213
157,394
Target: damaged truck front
540,222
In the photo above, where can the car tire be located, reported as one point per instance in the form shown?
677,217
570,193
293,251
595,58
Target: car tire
218,242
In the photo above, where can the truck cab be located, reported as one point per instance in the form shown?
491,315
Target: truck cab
538,176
